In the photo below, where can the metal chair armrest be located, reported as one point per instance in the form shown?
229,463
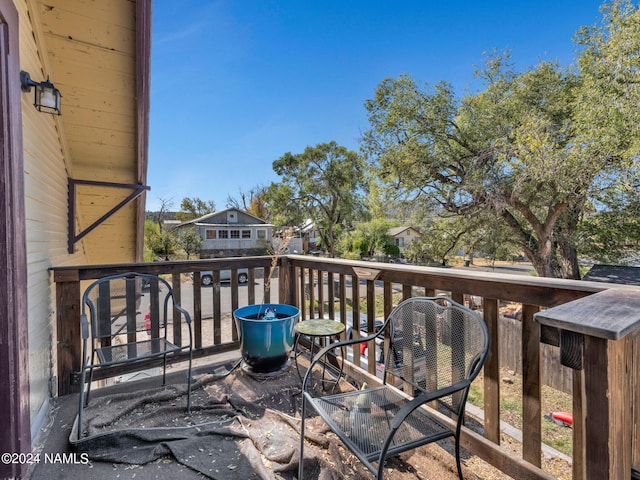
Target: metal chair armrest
426,397
84,326
186,314
187,317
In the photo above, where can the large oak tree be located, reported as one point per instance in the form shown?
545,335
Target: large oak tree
525,149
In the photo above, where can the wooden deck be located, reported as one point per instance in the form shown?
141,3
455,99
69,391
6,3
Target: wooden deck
56,458
356,292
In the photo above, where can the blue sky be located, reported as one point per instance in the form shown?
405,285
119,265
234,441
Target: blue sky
235,84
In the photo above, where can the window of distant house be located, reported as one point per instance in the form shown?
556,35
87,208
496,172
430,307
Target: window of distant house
262,234
400,242
235,233
210,235
246,233
223,234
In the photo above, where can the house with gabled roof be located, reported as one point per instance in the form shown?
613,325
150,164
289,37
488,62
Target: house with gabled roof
231,233
402,236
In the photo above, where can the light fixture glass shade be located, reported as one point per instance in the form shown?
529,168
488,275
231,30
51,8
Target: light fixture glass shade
47,98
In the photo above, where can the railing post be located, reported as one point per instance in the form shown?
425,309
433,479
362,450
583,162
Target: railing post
531,388
217,311
286,282
197,310
492,373
635,401
596,334
177,297
69,345
371,317
579,425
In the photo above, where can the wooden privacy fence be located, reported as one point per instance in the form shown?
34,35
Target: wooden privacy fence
552,372
355,293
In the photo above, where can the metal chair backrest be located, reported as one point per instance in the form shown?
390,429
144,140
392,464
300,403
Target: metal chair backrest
435,342
123,305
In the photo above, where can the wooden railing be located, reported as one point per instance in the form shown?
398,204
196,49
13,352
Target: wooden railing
210,322
356,293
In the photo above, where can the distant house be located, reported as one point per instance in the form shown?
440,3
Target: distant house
232,233
402,236
310,236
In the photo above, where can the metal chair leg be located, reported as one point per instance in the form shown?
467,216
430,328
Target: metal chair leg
189,381
301,459
81,401
458,463
86,402
164,370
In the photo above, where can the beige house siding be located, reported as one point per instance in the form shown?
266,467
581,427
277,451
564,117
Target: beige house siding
252,241
403,236
46,212
230,233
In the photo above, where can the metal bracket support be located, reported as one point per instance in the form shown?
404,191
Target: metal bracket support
73,238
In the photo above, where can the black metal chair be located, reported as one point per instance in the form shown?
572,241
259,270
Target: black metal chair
435,350
124,321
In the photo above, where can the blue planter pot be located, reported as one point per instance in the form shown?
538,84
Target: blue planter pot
265,343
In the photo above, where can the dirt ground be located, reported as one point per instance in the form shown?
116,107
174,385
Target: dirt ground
437,461
511,413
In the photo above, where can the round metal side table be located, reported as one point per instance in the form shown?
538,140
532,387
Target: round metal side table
323,332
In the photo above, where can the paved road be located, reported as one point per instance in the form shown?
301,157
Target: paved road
225,288
521,268
225,295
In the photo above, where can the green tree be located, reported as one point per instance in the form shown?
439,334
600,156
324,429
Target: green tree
609,65
190,241
441,236
512,150
160,242
377,234
151,230
325,183
611,233
282,210
167,242
352,245
607,109
192,208
368,238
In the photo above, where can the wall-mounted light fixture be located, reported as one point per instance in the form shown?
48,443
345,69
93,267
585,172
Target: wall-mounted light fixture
47,96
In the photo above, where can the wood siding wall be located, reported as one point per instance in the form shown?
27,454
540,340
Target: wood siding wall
45,176
58,148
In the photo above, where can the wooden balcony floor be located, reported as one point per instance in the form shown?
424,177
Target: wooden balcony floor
63,461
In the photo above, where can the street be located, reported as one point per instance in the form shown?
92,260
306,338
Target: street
243,295
243,289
